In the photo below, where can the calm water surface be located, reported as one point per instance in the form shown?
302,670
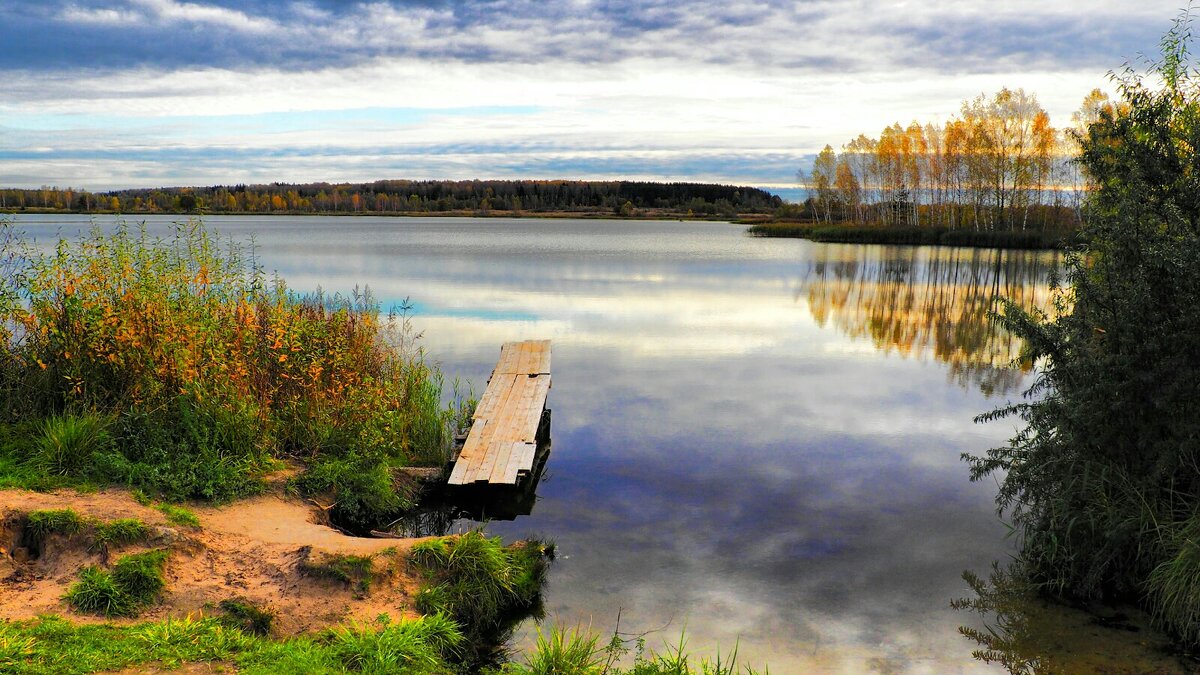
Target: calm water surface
757,439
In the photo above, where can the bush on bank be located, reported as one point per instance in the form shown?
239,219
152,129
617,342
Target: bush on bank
1103,481
177,365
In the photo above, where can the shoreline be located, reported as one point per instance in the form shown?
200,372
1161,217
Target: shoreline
912,236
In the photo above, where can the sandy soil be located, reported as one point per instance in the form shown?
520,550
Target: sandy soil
252,549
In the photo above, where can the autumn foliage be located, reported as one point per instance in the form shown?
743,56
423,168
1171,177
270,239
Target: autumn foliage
206,371
998,166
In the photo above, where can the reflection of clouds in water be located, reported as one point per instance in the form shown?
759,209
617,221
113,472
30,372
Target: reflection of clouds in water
719,458
816,533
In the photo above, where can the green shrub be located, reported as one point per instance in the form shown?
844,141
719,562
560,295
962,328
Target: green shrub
1100,482
362,488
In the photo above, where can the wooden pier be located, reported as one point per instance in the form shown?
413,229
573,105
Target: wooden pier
501,446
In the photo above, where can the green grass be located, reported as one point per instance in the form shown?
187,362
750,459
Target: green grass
408,646
248,617
356,571
425,646
97,592
179,515
485,586
41,524
134,582
120,532
53,645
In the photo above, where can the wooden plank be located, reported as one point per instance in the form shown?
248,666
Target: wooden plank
499,426
543,364
540,389
483,472
504,457
494,396
459,474
534,352
520,460
528,454
469,454
502,442
523,361
510,355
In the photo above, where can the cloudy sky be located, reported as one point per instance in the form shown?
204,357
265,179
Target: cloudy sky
127,93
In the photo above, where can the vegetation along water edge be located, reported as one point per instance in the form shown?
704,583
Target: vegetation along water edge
1101,482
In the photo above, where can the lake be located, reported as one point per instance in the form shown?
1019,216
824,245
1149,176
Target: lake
755,439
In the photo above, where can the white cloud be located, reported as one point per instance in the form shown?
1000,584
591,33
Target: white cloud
167,12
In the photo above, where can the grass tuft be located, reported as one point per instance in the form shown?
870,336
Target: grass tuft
97,592
140,575
134,582
179,515
120,532
356,571
485,586
41,524
66,445
563,651
244,615
416,646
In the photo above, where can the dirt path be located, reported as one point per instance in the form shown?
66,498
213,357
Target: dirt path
251,549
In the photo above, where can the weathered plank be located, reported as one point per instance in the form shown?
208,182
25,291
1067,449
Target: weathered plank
501,445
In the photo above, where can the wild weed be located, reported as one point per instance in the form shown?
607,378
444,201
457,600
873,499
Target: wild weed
563,651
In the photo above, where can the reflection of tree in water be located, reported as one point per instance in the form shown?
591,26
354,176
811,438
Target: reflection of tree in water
917,301
1027,633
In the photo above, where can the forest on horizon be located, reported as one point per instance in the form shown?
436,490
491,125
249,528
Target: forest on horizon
626,198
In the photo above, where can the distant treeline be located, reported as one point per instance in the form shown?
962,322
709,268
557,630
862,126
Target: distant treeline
626,198
999,166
